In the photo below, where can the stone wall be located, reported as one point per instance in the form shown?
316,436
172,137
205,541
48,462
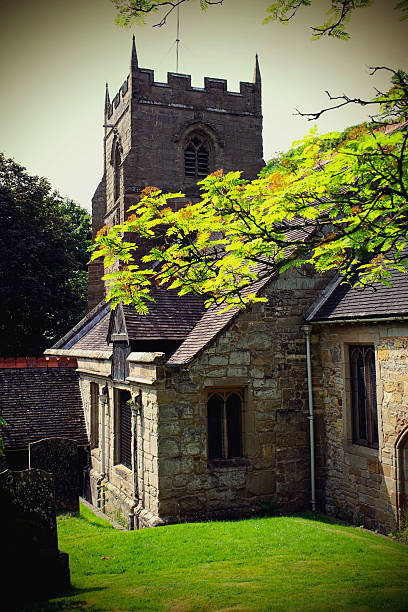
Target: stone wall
361,482
263,354
118,490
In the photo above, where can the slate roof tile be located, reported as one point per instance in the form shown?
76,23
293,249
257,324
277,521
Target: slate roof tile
95,338
90,332
347,303
208,327
170,317
40,403
212,323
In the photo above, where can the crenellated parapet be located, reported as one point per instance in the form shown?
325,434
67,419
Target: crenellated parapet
178,92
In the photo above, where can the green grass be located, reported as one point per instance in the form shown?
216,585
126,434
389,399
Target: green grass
275,563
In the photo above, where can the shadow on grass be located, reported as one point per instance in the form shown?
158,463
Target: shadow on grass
321,518
100,524
49,605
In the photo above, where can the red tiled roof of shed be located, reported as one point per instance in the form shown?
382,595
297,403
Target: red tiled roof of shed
40,403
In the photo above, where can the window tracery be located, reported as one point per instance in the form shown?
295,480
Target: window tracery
196,157
116,172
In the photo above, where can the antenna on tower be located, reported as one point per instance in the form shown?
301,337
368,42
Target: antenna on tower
178,38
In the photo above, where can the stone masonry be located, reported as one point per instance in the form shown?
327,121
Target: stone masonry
362,483
148,125
263,354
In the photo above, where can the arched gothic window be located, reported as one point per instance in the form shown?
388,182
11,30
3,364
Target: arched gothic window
116,172
196,157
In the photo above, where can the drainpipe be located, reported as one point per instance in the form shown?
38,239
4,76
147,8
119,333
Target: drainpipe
136,407
307,329
103,399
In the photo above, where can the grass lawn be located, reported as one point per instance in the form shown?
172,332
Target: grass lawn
274,563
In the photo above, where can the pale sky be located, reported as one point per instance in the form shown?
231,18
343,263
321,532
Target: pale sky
57,55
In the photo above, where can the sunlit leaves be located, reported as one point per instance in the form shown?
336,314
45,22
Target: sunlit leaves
335,201
336,17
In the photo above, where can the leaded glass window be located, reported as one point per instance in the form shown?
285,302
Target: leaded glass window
224,414
364,395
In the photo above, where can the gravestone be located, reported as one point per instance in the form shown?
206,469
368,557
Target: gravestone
59,456
33,567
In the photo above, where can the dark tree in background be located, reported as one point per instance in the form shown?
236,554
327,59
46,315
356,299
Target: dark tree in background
43,256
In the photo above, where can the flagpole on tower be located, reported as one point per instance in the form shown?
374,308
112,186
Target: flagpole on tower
178,38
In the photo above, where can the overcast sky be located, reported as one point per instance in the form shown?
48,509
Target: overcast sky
56,56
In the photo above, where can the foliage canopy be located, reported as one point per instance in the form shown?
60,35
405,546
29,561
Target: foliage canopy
336,202
337,16
43,256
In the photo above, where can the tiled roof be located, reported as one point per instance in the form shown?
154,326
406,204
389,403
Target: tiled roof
90,332
95,338
208,327
40,403
170,317
213,322
346,303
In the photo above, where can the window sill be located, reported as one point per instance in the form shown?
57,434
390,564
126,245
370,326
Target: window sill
361,451
122,471
236,462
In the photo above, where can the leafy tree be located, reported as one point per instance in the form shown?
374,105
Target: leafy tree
337,201
333,201
43,255
131,11
337,15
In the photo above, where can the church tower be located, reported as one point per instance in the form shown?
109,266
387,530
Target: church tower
171,135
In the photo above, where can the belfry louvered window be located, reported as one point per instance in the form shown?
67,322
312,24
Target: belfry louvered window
224,414
196,158
364,395
116,173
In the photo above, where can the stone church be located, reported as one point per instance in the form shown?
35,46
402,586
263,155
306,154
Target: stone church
300,402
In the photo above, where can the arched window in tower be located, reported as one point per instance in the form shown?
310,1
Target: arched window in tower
196,157
116,172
